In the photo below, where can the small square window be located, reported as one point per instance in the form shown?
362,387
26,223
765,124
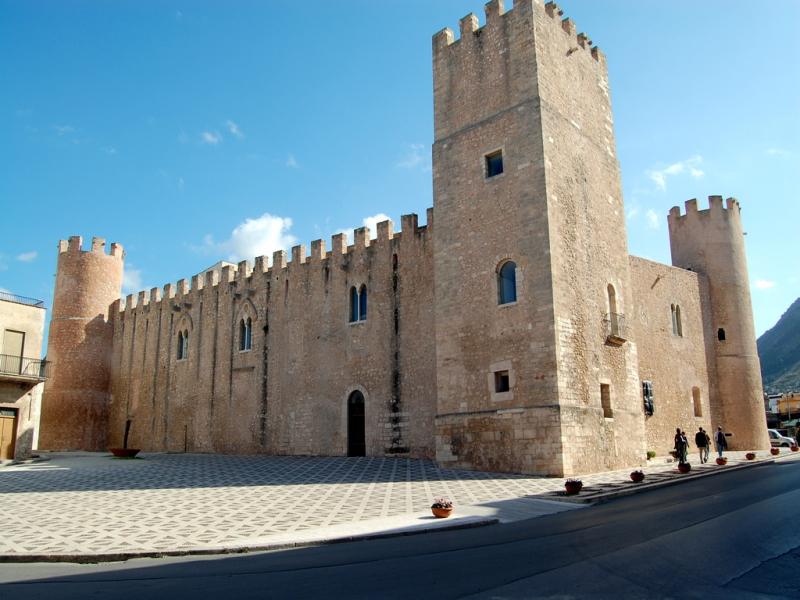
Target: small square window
502,382
494,163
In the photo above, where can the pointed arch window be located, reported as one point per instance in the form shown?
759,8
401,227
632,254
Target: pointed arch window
183,344
507,283
353,304
677,326
358,303
245,334
362,303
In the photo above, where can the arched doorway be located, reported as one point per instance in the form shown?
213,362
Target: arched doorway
356,439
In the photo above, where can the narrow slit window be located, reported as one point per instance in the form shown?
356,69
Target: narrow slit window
721,334
494,164
605,400
180,345
696,400
362,303
353,304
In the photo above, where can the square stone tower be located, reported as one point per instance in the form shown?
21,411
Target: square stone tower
525,173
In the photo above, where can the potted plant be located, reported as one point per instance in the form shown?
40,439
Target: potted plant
573,486
125,452
442,508
794,447
722,461
651,454
637,476
775,451
684,467
750,456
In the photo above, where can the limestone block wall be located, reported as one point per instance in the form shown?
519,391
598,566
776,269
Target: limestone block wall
287,394
711,242
588,245
484,101
675,364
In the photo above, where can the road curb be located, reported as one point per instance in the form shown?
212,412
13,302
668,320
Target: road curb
102,557
634,488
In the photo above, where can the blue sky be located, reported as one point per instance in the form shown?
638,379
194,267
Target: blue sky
197,131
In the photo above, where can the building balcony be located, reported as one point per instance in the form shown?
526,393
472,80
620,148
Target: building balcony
616,329
23,370
9,297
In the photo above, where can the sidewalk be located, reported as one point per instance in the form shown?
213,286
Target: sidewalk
89,507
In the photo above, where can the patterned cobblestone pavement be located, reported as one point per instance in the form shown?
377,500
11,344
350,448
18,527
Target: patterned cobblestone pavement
92,503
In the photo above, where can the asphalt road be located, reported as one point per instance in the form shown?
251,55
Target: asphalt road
735,535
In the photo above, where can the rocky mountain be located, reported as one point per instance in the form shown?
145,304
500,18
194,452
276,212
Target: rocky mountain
779,351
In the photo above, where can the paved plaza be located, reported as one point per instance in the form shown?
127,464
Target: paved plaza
92,504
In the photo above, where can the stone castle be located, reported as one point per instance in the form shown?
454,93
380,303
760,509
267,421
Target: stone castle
511,332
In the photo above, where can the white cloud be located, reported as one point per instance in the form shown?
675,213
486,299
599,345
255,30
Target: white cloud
211,137
291,162
764,284
27,256
234,129
253,237
632,213
181,184
777,152
690,166
110,150
653,221
64,129
414,157
131,279
372,223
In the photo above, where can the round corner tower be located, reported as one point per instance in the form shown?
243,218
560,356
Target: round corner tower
711,242
75,401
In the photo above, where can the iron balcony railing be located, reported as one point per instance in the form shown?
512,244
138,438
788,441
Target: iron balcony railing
616,329
9,297
21,367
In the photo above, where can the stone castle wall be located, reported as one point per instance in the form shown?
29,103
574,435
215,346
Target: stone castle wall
288,393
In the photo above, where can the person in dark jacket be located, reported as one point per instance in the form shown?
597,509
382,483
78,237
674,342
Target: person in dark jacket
681,445
720,443
701,441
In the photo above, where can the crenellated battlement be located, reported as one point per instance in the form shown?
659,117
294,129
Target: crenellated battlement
715,206
471,31
74,245
283,266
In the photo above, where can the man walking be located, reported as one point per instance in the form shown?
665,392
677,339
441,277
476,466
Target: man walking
719,441
701,441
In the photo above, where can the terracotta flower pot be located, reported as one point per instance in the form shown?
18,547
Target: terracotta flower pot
124,452
684,467
750,456
722,461
441,513
774,451
573,487
794,448
637,476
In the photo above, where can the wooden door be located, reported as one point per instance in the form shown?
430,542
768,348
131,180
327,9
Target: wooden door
8,433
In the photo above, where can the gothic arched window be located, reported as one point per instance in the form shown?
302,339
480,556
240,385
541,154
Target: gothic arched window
507,283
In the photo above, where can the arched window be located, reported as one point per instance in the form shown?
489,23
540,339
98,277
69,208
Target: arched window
362,303
676,320
353,304
507,283
183,344
613,314
245,334
721,334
